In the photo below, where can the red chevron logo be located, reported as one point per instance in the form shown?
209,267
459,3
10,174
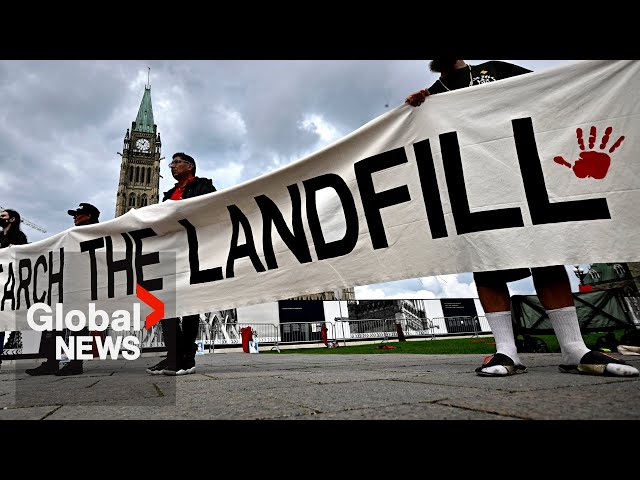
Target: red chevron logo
154,302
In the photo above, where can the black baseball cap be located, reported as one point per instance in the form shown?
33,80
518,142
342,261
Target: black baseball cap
86,209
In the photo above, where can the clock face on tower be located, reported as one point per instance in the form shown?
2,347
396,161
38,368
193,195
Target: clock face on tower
143,144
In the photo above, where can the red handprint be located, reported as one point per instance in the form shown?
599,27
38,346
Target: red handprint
592,164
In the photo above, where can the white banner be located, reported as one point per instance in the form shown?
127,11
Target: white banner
533,170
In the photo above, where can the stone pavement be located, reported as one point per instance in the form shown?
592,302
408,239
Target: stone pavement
281,386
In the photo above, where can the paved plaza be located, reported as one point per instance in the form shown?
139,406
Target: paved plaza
280,386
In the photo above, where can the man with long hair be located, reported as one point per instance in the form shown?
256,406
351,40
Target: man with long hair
11,235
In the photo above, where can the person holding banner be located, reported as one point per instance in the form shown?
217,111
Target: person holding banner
180,340
85,214
551,282
11,235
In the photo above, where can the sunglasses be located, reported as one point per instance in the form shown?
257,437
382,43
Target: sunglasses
175,162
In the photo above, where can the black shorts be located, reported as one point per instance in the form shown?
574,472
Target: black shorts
498,276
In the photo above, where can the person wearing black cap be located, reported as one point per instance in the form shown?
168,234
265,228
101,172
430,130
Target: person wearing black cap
85,214
180,340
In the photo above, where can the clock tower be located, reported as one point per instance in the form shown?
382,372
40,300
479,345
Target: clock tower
140,167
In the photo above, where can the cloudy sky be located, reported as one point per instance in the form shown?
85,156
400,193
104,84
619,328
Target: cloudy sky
63,122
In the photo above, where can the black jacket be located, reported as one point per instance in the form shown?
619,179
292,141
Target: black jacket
17,238
198,187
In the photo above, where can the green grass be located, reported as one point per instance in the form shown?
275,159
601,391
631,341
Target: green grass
481,345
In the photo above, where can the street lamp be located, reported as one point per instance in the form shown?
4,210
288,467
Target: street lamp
580,273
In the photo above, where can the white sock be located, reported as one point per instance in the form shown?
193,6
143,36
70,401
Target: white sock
567,329
502,329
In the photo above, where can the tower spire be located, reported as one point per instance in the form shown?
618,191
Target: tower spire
148,77
144,119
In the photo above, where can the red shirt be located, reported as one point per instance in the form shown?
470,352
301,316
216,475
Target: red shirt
177,193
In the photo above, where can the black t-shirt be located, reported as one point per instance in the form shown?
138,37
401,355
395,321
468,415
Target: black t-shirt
477,74
18,238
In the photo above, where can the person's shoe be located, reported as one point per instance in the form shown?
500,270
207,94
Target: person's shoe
499,365
170,369
71,368
186,367
598,363
45,368
158,368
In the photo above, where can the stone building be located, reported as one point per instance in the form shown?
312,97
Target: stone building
624,277
606,276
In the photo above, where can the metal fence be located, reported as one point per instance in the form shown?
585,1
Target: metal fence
216,332
230,333
452,326
387,328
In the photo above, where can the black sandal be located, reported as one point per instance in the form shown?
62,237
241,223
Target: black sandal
595,363
500,359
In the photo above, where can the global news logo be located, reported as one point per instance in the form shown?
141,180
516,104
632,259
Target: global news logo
42,317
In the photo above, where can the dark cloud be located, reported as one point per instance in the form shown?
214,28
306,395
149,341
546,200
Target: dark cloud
62,122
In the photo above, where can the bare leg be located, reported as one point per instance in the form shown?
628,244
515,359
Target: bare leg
554,292
553,287
494,298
